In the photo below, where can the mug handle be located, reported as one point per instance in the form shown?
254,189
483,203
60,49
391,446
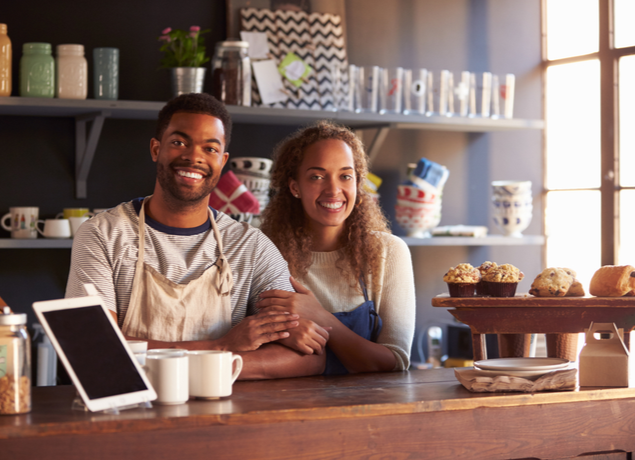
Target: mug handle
239,366
59,215
8,215
37,227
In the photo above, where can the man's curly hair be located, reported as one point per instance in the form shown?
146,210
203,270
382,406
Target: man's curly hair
284,220
195,103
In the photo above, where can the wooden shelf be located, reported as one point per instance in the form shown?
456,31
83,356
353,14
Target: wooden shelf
39,243
145,110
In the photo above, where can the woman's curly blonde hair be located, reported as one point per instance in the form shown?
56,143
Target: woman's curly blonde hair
284,218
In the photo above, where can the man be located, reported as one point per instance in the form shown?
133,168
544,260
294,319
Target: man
193,278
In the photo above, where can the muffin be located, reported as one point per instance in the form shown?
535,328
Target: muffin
462,280
502,281
481,288
557,282
576,289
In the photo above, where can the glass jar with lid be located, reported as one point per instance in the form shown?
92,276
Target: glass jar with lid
72,72
37,70
231,73
15,363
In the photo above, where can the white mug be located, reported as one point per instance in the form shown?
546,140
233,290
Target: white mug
54,228
23,222
76,222
211,374
140,349
168,374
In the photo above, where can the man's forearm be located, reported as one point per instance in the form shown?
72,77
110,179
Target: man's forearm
274,361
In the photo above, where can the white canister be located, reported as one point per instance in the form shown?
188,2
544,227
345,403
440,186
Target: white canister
72,72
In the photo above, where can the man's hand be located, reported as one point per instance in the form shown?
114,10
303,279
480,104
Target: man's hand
255,330
308,338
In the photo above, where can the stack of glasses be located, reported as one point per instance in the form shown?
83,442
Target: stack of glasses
418,208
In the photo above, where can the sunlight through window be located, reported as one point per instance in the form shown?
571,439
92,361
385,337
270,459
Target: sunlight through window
572,28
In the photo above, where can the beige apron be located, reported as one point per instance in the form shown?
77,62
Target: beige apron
160,309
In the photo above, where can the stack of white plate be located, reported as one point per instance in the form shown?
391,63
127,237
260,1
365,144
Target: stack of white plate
522,367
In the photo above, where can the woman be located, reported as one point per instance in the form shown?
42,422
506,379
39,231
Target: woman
351,275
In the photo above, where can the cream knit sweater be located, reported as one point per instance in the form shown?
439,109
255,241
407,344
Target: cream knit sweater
395,303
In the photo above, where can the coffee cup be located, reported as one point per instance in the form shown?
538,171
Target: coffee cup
211,375
54,228
168,374
67,213
76,222
139,349
23,222
168,351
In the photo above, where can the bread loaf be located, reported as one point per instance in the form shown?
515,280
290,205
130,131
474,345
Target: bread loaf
613,281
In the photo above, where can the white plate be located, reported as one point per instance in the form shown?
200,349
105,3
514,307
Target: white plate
522,364
523,374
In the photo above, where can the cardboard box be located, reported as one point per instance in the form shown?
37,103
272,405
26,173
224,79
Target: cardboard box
605,362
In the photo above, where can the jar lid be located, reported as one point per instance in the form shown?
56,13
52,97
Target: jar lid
37,47
11,319
232,44
75,50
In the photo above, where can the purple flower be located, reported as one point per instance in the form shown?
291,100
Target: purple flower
167,30
194,29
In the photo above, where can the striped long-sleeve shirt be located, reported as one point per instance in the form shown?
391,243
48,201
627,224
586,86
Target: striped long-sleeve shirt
105,254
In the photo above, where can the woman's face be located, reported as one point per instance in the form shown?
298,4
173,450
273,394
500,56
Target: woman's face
326,184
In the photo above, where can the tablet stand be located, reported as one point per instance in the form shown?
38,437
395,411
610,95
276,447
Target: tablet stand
78,404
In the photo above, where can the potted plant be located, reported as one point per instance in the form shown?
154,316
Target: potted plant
184,55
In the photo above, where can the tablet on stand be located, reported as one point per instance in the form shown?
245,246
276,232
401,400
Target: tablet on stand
94,352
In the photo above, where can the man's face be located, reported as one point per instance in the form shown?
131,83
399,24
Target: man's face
190,156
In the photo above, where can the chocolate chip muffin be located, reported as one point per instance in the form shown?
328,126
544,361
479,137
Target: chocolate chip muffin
462,280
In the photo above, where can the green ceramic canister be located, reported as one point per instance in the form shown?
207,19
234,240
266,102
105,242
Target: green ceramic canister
37,70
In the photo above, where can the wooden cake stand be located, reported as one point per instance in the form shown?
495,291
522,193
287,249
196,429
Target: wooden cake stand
514,318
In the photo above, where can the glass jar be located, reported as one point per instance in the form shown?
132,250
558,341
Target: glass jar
5,62
37,70
231,73
15,363
72,72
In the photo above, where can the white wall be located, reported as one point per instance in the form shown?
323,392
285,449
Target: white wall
499,36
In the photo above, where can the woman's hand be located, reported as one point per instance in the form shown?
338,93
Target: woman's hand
302,302
308,338
255,330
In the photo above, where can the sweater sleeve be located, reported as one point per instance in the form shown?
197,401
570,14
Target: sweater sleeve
396,301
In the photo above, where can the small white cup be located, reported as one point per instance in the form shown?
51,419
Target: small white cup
169,375
23,222
54,228
76,222
140,349
211,375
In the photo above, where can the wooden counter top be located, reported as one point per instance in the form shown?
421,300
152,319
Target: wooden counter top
395,407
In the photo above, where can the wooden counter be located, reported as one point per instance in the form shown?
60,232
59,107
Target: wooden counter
416,414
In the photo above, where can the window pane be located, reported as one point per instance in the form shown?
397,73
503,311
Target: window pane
572,28
627,121
572,221
573,125
626,253
623,23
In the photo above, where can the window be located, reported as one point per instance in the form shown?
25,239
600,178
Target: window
589,59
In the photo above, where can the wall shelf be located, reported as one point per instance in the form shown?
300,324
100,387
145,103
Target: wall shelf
495,240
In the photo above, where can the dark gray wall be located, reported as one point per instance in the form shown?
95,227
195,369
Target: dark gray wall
36,154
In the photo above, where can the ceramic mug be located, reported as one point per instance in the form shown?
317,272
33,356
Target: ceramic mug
211,374
140,350
54,228
76,222
23,222
168,373
67,213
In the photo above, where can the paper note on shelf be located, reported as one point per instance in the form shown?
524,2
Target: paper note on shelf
475,231
269,81
258,46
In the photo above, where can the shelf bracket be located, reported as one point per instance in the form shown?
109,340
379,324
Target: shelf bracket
85,147
377,142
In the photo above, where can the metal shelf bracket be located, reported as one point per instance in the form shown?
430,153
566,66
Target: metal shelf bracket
85,147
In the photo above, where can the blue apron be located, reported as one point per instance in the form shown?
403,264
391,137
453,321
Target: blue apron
363,321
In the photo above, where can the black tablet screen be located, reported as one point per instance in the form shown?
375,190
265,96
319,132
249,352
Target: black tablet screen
94,351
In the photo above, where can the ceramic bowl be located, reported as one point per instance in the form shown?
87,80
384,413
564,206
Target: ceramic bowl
511,187
416,195
513,225
252,166
417,221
